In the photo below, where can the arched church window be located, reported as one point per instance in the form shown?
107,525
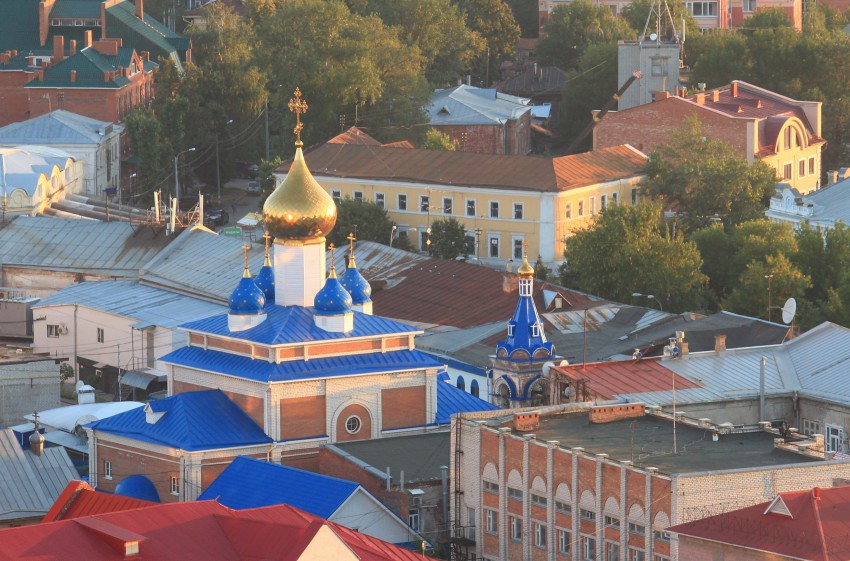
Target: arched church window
461,383
473,388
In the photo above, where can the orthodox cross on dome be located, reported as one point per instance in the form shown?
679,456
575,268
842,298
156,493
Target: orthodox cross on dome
245,248
333,264
35,420
351,239
525,248
298,106
267,239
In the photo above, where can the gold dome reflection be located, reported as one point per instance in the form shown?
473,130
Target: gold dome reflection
299,208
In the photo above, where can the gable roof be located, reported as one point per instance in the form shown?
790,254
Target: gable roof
90,67
58,127
148,35
250,483
812,524
28,483
79,499
191,531
201,420
468,105
468,169
354,135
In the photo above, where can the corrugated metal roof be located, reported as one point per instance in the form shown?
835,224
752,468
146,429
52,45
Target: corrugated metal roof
129,299
615,378
251,483
376,261
294,324
68,418
420,456
57,127
78,499
28,483
599,166
452,400
19,25
201,420
468,105
86,246
291,370
202,263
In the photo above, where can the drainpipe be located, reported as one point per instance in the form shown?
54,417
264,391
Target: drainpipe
761,389
76,360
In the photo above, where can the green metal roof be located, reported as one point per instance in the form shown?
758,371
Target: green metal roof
90,66
19,25
76,9
148,35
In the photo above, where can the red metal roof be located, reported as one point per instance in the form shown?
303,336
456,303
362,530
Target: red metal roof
354,136
610,379
752,102
201,531
79,499
454,293
795,524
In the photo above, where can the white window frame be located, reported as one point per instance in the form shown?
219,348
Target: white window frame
637,529
561,506
357,196
705,8
612,522
490,245
635,196
448,205
514,493
592,206
336,195
521,208
491,487
474,207
490,209
107,470
588,546
539,534
568,211
812,169
612,550
175,485
615,198
748,6
521,247
470,523
515,528
413,519
564,542
401,201
53,330
539,500
492,521
581,208
636,554
381,200
603,202
425,203
355,422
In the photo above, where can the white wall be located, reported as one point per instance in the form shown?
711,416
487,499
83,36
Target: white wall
369,516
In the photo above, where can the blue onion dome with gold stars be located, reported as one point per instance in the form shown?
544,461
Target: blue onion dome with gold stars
265,278
247,299
526,338
333,298
353,281
299,208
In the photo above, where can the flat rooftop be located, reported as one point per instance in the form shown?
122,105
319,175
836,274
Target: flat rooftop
648,442
419,455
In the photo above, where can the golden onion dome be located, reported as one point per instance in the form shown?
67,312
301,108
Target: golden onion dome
525,269
299,208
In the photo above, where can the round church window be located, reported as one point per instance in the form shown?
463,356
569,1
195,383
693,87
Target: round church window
353,424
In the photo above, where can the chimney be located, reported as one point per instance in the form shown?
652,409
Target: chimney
140,9
58,48
719,343
657,96
683,349
735,88
700,98
510,282
72,47
831,177
816,493
715,95
73,75
87,38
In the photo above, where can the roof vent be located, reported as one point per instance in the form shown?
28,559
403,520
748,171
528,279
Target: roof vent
444,111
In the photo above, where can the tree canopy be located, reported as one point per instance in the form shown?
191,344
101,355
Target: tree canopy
448,239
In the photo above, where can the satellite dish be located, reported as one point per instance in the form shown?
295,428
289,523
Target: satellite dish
653,36
788,310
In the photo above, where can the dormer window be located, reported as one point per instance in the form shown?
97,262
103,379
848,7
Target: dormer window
535,330
510,330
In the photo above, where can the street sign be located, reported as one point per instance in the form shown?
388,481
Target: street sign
232,231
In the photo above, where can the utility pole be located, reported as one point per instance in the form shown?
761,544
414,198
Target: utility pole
266,111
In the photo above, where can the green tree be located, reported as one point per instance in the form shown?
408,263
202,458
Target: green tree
785,280
587,89
573,27
768,18
494,21
436,140
366,220
718,58
637,11
707,179
145,134
540,271
526,14
448,239
630,249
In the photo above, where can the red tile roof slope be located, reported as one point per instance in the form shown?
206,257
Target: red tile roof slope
190,531
525,173
619,377
79,499
817,528
446,292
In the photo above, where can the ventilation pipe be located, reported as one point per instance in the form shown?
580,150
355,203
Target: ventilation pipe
761,388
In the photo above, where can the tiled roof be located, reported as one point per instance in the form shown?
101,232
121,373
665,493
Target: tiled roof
193,531
294,324
452,400
291,370
57,127
812,524
251,483
79,499
440,167
192,421
615,378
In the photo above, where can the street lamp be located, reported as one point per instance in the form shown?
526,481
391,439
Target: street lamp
217,166
650,297
177,175
392,235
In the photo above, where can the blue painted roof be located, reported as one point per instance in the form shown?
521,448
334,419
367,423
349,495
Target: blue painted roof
252,483
294,324
264,371
451,400
332,298
265,280
247,298
138,487
201,420
521,335
458,365
356,285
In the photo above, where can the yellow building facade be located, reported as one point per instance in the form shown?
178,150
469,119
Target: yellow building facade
503,202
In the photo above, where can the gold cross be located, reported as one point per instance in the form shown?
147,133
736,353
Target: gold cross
525,245
298,107
351,239
245,248
268,238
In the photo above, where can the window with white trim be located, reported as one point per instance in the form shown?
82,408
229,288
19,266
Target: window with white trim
702,9
490,487
336,195
568,211
514,493
413,519
636,554
494,246
175,486
518,211
470,207
515,527
612,521
811,165
588,547
518,248
379,200
447,205
402,202
494,209
614,197
425,203
52,330
539,535
107,469
353,424
587,514
561,506
581,208
612,551
592,205
492,518
470,523
661,535
635,528
634,196
603,202
358,196
564,542
539,500
812,426
749,6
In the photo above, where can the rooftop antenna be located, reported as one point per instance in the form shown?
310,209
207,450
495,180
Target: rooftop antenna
660,13
789,310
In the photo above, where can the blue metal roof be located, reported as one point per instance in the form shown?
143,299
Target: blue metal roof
458,365
263,371
294,324
525,331
201,420
252,483
451,400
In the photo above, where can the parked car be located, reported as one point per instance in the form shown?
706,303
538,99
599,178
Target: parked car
216,217
253,186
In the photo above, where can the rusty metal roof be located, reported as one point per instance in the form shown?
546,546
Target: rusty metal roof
524,173
615,378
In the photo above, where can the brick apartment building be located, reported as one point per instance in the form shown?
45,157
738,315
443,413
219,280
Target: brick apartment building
756,123
604,483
